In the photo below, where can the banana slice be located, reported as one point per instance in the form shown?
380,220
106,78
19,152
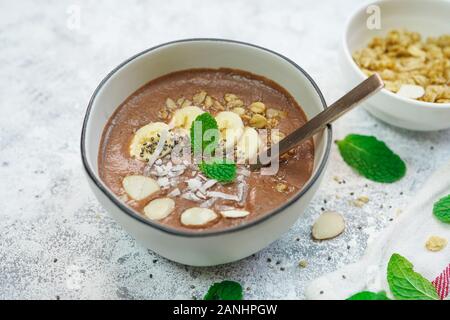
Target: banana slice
197,216
230,126
145,142
248,145
139,187
159,208
234,213
183,118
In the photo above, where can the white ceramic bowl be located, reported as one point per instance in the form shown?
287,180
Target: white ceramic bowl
429,18
215,247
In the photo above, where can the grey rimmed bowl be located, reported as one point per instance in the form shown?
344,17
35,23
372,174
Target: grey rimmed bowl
209,247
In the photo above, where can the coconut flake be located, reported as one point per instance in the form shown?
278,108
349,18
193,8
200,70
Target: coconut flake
225,208
163,182
208,184
208,203
194,184
244,172
175,192
179,167
242,192
173,174
200,195
160,171
222,195
190,196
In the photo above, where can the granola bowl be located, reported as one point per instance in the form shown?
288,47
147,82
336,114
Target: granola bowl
207,247
429,18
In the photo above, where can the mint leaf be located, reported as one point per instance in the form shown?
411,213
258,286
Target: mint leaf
225,290
220,170
204,132
405,284
371,158
441,209
367,295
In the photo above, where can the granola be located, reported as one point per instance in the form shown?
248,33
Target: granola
402,58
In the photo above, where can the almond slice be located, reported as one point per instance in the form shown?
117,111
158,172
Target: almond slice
197,216
411,91
159,208
139,187
328,225
234,213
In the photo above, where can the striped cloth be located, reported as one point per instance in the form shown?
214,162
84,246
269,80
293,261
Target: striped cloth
442,282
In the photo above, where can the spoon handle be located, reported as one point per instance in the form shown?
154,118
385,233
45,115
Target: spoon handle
361,92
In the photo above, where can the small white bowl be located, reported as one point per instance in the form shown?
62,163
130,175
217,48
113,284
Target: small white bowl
210,247
429,18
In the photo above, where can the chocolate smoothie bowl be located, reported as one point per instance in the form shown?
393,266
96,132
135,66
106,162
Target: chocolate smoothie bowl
189,195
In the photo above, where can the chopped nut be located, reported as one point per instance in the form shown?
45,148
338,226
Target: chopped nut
170,104
199,97
186,103
239,111
272,123
180,101
435,243
208,102
402,58
258,121
257,107
218,106
272,113
360,201
303,264
363,199
246,118
230,97
281,187
163,114
235,103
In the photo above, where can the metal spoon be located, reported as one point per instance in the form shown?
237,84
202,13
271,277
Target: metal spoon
361,92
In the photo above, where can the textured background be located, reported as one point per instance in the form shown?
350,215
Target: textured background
56,241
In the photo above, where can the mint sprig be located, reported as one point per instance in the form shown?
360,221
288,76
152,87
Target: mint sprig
225,290
372,158
204,133
368,295
405,283
441,209
222,170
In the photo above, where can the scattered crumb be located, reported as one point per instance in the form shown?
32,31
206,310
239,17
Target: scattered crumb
360,201
435,243
281,187
303,264
337,179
